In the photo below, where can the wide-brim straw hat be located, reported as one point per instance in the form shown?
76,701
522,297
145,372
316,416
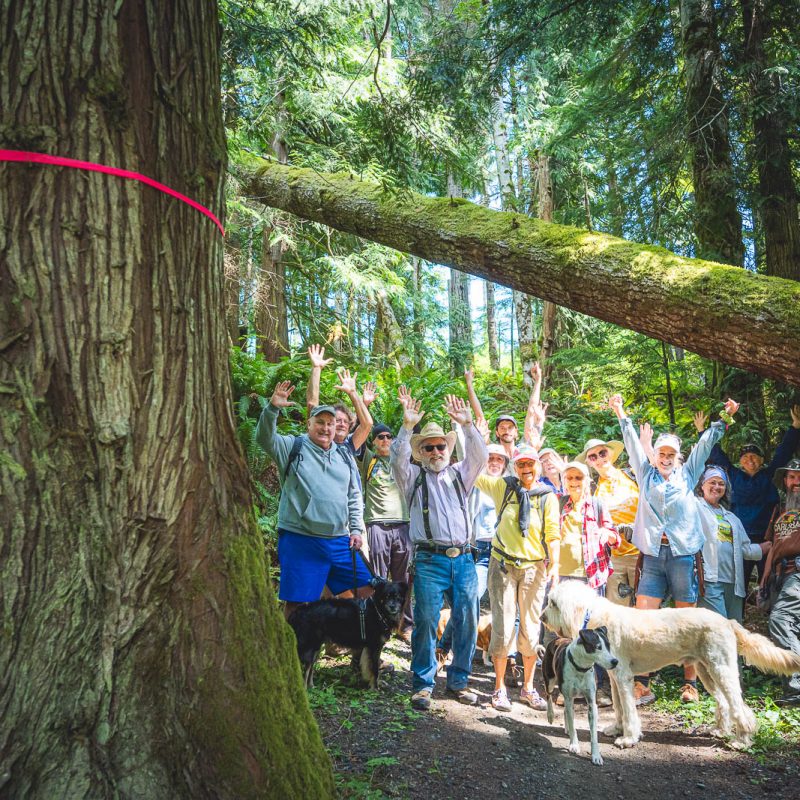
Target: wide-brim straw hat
432,430
614,446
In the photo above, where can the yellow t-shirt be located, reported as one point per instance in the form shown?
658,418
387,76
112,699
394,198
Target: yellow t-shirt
508,537
571,560
620,495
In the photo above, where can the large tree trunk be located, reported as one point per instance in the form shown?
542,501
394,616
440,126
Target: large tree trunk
717,222
715,310
271,322
143,651
777,193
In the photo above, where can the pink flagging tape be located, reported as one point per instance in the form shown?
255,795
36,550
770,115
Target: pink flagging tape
58,161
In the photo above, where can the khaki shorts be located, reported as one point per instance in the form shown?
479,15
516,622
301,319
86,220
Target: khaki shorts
510,588
624,572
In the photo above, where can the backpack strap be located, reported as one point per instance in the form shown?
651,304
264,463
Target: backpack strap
508,493
297,446
422,483
370,469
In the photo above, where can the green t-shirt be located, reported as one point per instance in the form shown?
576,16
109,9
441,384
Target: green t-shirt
383,500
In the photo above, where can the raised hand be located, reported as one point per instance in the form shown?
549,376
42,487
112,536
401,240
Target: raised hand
700,420
617,405
731,407
539,414
369,393
469,377
457,409
280,397
403,395
483,427
536,371
412,412
316,355
646,440
795,412
347,382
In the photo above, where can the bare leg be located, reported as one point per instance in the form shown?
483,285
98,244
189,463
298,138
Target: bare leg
499,672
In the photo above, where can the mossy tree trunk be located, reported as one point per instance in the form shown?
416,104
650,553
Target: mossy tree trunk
143,654
459,312
718,311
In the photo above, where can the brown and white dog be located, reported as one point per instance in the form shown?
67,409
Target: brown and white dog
482,643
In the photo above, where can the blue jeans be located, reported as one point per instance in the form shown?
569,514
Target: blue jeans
484,548
721,597
437,576
666,574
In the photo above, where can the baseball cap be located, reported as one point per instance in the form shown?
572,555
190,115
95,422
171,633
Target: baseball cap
505,418
322,410
751,448
525,453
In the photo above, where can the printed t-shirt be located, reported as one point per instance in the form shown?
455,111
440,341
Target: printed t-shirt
725,553
383,500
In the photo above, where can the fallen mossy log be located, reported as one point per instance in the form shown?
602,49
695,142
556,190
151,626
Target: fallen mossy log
718,311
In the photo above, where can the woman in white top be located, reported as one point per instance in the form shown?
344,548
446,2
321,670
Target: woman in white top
726,547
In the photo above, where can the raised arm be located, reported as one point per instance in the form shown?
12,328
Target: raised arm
702,450
276,445
403,470
474,403
535,415
347,384
633,446
646,441
316,355
785,450
475,453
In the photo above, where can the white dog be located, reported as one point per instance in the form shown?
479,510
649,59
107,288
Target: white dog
569,665
645,641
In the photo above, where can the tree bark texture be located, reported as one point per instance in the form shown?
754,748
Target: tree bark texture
718,311
143,653
460,322
491,325
272,328
717,222
777,201
545,208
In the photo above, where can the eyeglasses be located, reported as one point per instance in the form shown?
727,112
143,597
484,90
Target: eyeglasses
384,436
599,454
429,448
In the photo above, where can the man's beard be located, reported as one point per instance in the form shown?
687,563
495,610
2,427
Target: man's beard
793,498
438,466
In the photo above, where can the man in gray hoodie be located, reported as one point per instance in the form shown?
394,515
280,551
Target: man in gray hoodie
320,515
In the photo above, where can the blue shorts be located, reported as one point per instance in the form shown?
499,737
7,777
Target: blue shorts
309,563
668,575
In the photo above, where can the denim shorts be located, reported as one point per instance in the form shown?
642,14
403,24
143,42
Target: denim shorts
666,575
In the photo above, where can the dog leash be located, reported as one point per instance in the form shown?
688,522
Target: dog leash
362,606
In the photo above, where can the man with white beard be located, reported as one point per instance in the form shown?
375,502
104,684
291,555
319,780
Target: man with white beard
783,562
436,493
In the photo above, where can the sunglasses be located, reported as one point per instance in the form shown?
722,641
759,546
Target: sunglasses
384,436
599,454
429,448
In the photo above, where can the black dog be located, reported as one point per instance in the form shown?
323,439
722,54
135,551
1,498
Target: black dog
339,621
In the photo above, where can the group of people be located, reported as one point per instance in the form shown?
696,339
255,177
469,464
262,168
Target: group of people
460,516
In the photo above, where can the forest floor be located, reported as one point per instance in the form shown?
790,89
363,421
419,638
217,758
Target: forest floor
382,748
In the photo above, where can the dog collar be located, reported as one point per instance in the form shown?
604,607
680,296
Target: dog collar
572,661
386,624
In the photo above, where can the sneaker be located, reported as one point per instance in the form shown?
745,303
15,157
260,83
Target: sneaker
421,700
533,699
465,696
603,699
689,693
500,700
642,694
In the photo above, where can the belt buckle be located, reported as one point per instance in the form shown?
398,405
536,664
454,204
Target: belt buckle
452,552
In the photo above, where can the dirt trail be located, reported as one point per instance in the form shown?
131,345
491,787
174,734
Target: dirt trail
455,751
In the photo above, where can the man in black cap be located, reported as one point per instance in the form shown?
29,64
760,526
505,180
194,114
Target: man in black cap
753,495
386,517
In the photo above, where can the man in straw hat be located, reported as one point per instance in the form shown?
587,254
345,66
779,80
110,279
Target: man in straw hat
784,562
436,493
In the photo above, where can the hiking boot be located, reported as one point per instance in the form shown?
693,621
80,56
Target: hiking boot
689,693
421,700
500,700
603,699
532,699
642,694
465,696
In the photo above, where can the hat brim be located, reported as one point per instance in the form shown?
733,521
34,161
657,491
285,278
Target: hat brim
614,446
417,439
777,479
